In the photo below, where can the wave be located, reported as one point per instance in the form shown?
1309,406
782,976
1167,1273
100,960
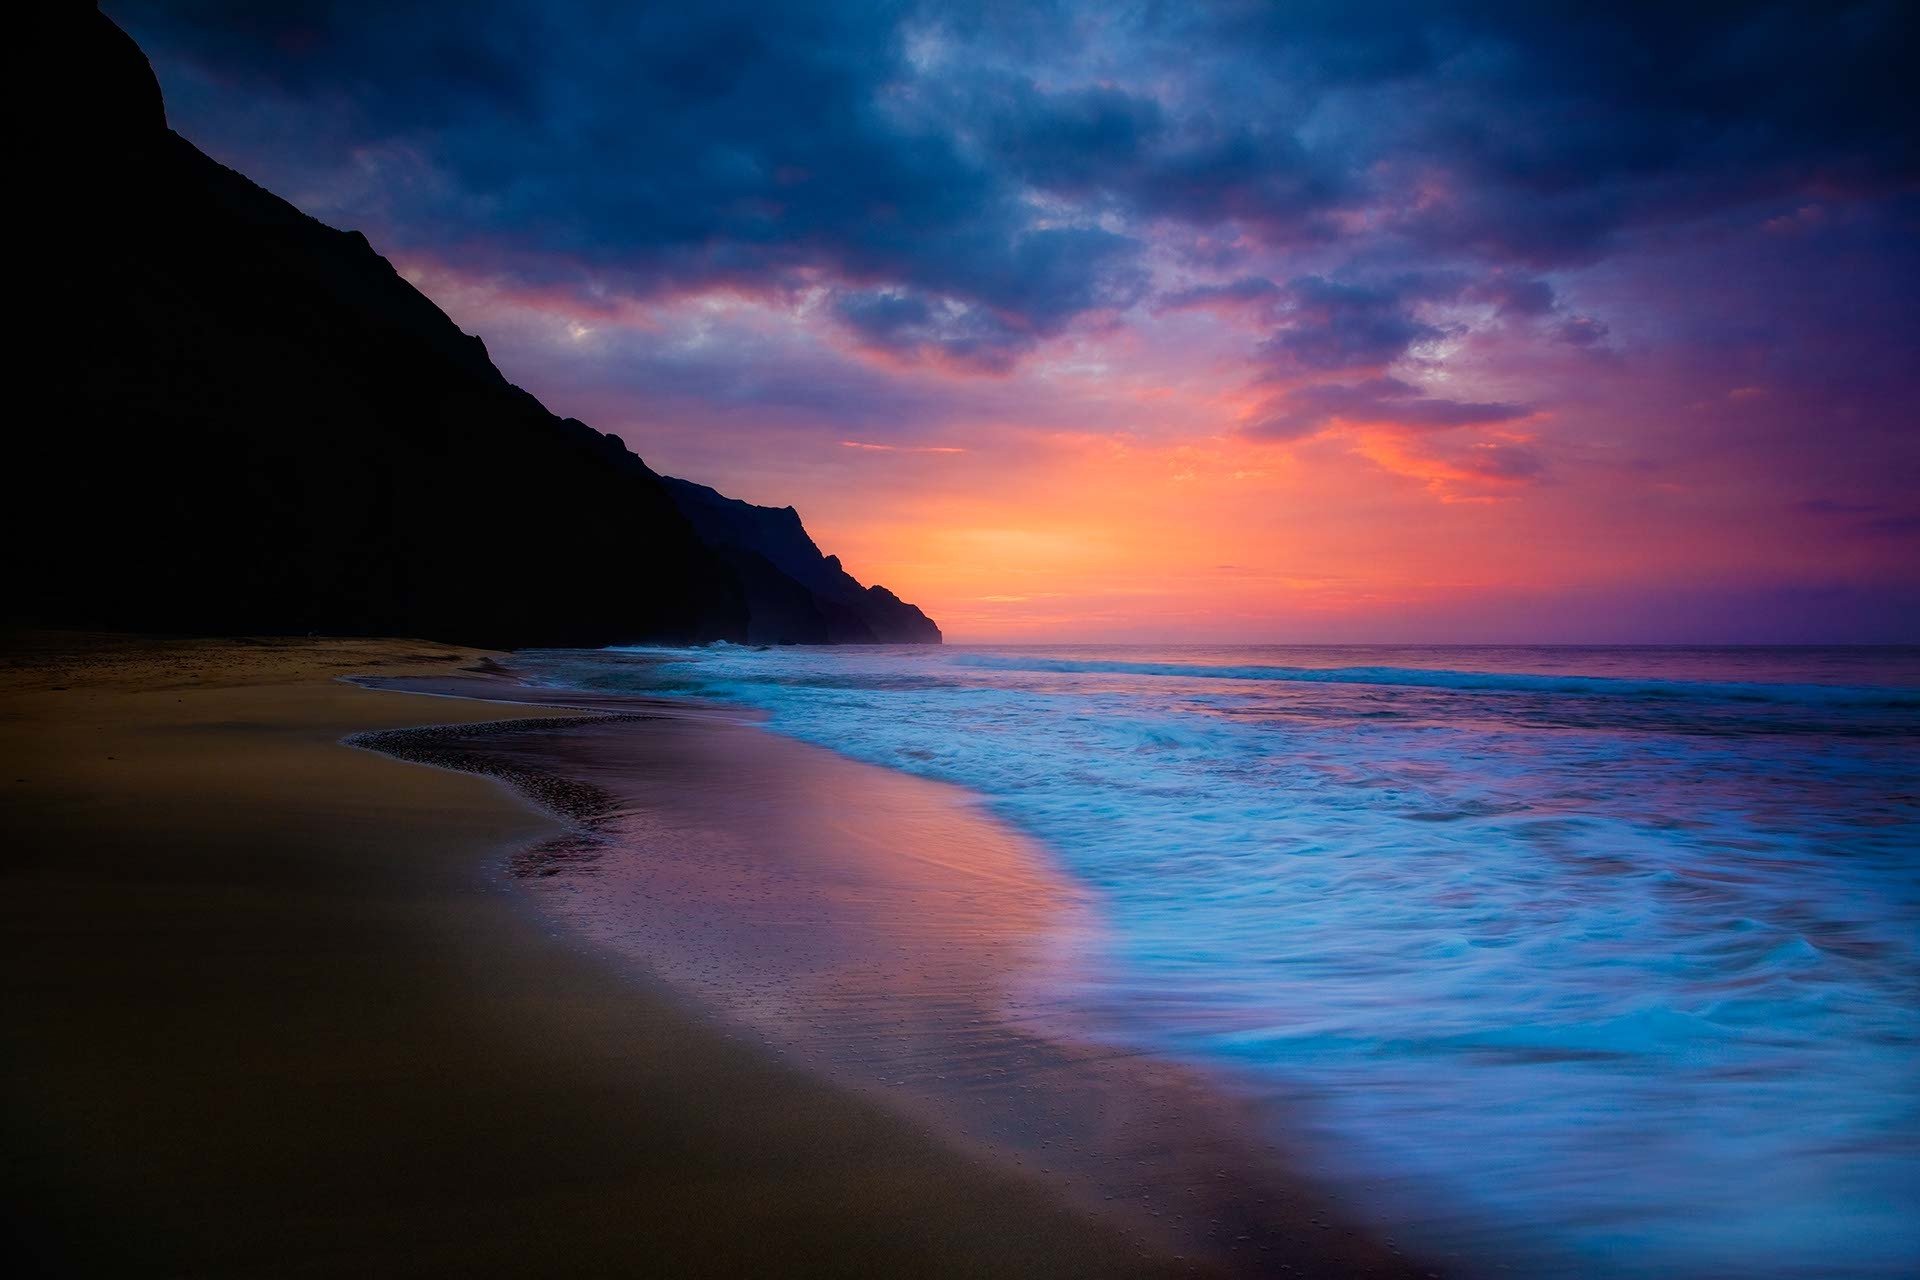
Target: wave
1620,960
1472,681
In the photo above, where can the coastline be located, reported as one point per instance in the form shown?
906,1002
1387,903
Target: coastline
273,1011
883,931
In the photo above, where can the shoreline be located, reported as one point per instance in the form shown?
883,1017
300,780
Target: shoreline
933,1017
273,1013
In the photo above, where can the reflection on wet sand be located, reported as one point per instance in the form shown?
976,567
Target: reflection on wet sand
884,931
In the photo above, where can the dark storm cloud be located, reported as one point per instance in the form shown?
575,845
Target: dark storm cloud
1556,127
911,325
1056,275
1081,140
973,203
1124,151
1330,325
667,147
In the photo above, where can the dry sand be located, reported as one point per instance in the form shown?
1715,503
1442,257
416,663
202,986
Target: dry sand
271,1009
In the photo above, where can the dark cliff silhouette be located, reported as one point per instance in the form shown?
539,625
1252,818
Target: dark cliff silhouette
792,590
252,423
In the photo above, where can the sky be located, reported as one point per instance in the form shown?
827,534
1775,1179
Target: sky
1238,322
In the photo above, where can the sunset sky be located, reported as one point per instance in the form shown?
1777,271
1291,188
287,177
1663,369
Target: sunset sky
1237,322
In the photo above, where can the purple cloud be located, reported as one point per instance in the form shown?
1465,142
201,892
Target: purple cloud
1306,410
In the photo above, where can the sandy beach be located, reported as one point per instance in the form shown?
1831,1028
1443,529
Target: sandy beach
275,1008
886,932
1235,639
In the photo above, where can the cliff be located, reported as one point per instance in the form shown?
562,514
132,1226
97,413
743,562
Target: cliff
252,423
770,550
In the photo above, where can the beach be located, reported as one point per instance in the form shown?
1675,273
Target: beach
274,1009
287,1006
1226,639
886,932
1552,960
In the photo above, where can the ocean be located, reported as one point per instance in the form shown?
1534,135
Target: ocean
1609,955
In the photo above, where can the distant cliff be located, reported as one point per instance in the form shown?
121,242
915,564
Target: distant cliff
252,423
769,549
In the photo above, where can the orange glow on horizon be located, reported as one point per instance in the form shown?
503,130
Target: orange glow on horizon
1112,486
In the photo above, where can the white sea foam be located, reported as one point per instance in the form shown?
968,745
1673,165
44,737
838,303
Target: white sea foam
1611,954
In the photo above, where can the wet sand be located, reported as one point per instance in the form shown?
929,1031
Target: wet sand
276,1007
882,930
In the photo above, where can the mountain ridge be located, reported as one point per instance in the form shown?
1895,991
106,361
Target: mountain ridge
751,536
255,424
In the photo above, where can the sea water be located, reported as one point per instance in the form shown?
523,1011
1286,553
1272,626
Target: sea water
1606,960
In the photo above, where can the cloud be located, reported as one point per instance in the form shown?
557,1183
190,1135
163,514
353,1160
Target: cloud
772,222
1557,130
870,447
1499,461
1869,519
895,146
1330,325
1375,402
1054,277
653,149
1125,152
1080,140
1256,293
1513,295
911,325
1580,331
